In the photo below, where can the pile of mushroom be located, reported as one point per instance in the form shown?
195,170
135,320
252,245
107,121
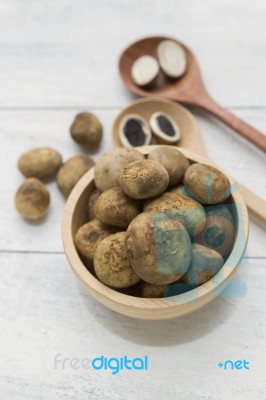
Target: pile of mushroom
144,233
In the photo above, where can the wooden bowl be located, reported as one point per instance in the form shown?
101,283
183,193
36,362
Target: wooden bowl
153,309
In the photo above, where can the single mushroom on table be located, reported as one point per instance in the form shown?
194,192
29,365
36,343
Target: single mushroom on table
32,199
41,163
71,171
86,129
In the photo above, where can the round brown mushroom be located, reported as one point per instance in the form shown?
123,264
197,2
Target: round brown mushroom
172,160
149,290
86,129
111,263
218,234
91,203
190,212
41,163
113,207
32,199
144,179
158,247
89,236
204,265
71,172
207,184
108,168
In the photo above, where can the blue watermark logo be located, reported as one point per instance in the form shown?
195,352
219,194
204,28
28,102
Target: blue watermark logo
232,365
225,232
118,364
113,364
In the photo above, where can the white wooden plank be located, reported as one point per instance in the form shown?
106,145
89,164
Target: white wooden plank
20,131
66,53
45,311
58,58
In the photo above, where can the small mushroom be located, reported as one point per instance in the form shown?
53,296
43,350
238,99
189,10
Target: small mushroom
204,265
180,188
41,163
158,247
71,172
86,129
32,199
108,168
172,58
218,234
145,70
149,290
134,131
144,179
91,203
221,210
190,212
164,128
89,236
111,263
172,160
113,207
207,184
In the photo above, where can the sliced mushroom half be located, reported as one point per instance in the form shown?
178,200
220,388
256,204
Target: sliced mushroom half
164,128
145,70
172,58
134,131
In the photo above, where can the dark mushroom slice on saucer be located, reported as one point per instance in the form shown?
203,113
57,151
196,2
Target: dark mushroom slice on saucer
134,131
164,128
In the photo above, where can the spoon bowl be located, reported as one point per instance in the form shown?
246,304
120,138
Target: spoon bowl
190,135
188,89
165,87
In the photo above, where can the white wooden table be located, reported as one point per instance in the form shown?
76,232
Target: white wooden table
60,57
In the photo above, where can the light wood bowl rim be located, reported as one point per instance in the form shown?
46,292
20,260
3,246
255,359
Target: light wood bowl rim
143,308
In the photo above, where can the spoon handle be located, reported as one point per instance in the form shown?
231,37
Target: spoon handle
247,131
255,204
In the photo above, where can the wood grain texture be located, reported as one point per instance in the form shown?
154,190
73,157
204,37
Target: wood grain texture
246,130
58,58
55,315
66,53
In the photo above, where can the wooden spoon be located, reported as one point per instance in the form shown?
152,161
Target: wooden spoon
189,89
190,139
